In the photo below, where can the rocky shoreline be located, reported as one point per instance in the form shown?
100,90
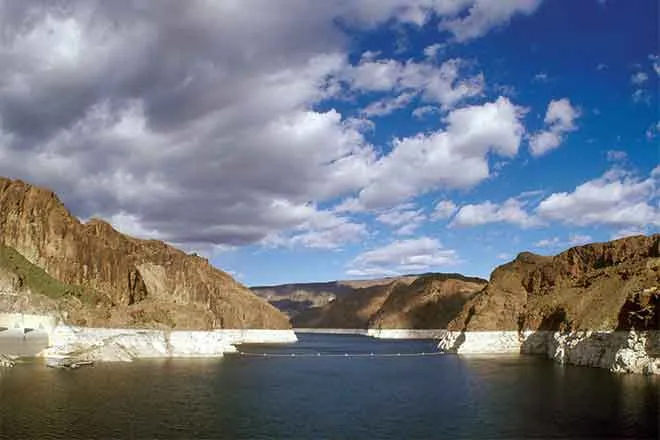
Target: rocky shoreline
618,351
73,345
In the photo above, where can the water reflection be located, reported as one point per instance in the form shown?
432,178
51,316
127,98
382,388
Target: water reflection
17,343
392,398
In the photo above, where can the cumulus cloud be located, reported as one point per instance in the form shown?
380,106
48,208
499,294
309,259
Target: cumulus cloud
406,218
456,157
556,242
199,122
424,111
443,210
485,15
512,211
442,85
617,199
559,119
403,256
386,106
548,242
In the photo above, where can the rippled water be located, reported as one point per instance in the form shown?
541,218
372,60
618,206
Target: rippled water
328,397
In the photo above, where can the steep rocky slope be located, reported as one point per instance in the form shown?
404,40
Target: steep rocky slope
595,305
599,286
113,279
429,301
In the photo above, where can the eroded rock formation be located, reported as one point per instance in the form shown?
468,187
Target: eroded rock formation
116,280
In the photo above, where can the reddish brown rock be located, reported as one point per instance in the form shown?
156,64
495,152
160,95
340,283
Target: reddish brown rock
146,282
585,287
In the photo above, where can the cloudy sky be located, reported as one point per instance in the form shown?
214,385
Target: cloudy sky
301,140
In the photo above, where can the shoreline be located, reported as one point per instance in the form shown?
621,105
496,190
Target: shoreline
617,351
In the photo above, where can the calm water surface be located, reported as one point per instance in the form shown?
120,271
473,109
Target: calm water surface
328,397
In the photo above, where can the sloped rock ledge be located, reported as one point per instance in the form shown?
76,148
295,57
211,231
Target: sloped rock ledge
78,345
618,351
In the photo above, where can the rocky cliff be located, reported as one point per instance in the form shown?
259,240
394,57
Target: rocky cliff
599,286
427,301
103,278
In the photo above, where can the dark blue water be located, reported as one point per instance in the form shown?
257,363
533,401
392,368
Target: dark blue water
244,397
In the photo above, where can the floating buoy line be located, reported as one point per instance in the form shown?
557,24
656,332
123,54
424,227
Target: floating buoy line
343,355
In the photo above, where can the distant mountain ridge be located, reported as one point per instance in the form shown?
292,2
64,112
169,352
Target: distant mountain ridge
424,301
111,279
296,298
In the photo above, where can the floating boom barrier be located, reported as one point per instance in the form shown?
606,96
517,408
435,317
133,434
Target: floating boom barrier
337,355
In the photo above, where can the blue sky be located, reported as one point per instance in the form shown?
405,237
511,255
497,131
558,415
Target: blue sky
296,142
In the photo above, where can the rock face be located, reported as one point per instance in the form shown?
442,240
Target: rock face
595,305
114,280
600,286
426,302
430,302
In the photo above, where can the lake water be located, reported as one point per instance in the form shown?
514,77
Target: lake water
319,397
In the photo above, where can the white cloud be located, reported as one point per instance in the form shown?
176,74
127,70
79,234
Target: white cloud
432,50
456,157
616,199
485,15
655,62
548,243
641,96
405,217
386,106
403,256
559,119
179,120
444,209
512,211
616,155
504,256
577,239
422,112
639,78
441,85
316,229
556,242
